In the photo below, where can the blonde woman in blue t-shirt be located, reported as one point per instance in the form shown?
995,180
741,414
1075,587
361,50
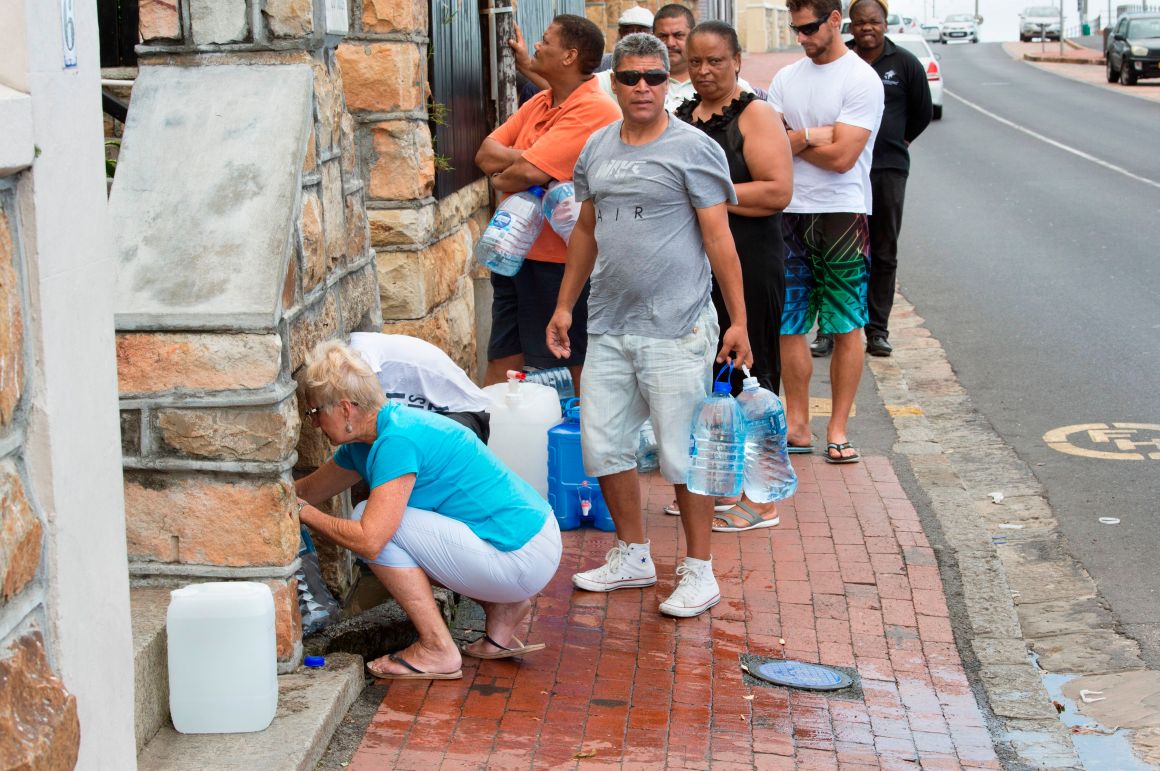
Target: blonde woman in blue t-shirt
442,509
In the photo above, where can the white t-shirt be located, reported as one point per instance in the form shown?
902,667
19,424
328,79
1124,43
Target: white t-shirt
843,91
418,374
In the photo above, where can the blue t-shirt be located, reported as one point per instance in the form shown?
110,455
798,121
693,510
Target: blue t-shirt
456,475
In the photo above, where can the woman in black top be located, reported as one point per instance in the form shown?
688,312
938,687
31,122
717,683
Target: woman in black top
761,167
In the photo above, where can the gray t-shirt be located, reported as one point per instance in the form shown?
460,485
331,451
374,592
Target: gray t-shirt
652,276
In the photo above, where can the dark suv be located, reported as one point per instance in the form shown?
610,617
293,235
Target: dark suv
1134,48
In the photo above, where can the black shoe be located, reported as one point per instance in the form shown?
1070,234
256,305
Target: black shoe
822,345
878,345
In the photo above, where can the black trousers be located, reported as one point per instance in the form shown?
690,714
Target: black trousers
763,284
889,188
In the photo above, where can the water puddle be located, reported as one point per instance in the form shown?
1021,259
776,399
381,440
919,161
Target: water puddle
1096,749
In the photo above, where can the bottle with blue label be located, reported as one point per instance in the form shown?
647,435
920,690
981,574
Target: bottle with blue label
509,235
769,475
717,443
561,209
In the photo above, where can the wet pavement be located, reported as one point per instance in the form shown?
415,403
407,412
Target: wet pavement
847,579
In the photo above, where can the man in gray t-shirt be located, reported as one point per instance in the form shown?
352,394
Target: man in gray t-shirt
652,225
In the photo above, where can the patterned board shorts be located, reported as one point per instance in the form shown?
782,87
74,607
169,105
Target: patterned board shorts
827,262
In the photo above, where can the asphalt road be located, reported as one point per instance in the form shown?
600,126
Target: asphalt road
1039,272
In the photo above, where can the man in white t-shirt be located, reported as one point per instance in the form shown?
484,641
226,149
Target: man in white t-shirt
418,374
831,103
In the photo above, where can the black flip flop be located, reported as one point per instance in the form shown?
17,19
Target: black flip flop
840,459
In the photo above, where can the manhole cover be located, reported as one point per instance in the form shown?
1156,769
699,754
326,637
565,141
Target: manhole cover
798,674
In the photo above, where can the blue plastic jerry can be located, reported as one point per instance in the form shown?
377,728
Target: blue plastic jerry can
574,497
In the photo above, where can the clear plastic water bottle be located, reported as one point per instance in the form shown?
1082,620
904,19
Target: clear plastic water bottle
769,476
646,451
561,209
717,444
559,378
509,235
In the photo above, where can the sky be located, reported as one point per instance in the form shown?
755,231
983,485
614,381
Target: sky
1000,17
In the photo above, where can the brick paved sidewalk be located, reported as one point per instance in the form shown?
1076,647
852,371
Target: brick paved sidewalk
847,579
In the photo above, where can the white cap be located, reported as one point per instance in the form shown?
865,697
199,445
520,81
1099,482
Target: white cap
636,16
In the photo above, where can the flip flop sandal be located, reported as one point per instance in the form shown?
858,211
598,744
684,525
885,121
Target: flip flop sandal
841,459
503,652
414,674
799,449
745,513
675,510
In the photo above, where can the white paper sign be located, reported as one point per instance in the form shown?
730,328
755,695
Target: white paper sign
337,17
68,33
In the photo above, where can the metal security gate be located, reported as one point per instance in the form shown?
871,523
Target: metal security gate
457,111
117,28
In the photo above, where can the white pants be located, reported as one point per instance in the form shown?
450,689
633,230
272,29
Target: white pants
455,557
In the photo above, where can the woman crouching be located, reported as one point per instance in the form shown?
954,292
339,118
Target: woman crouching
442,509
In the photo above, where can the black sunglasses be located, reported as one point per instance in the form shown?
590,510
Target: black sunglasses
807,29
632,77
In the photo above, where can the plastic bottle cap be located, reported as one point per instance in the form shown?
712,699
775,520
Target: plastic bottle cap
537,191
722,387
314,662
750,383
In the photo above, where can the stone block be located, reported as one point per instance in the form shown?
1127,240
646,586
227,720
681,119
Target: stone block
348,147
289,18
360,301
218,21
151,363
39,727
314,448
20,535
402,164
357,232
158,20
409,16
311,239
382,77
310,327
333,212
291,291
412,283
287,620
451,327
226,142
458,207
230,433
11,325
311,160
401,227
204,520
130,432
328,102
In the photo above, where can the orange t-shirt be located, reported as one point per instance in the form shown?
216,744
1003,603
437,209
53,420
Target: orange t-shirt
552,138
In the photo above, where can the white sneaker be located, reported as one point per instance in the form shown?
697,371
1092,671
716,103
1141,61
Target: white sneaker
626,566
696,592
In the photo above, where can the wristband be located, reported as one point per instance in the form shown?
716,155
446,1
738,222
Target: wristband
807,136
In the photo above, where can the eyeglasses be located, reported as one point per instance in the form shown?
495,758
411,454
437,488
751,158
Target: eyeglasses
314,412
632,77
807,29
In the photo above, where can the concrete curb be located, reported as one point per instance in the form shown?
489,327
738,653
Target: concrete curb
1063,59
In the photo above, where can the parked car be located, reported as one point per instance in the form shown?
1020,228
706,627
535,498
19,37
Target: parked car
910,26
929,59
931,32
894,24
959,26
1039,21
847,35
1134,48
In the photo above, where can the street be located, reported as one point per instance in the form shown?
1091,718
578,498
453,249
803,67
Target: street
1036,269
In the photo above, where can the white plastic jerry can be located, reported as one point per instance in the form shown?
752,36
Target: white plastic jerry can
223,659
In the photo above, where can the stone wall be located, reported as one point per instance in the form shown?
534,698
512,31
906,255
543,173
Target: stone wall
243,241
424,246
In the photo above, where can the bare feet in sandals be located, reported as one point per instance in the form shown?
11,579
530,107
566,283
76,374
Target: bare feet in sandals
746,515
418,662
499,641
719,504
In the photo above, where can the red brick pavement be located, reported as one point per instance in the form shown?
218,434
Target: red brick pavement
847,579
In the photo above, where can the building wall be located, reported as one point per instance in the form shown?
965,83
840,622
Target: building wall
65,645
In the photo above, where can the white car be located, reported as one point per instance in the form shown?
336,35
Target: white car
931,32
1037,21
960,26
929,60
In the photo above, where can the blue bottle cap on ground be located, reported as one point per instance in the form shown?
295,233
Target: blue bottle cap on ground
314,662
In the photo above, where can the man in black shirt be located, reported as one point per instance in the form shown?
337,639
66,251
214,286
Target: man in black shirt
907,113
